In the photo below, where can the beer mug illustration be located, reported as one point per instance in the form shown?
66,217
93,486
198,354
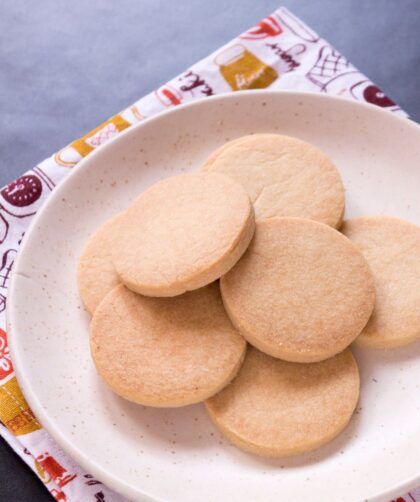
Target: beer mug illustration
243,70
73,153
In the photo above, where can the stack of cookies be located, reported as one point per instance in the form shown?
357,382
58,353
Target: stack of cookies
233,286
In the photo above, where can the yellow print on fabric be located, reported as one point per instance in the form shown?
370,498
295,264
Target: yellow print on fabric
243,70
73,153
14,410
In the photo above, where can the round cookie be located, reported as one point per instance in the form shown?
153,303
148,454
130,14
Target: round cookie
165,352
392,248
284,176
275,408
96,275
302,292
183,233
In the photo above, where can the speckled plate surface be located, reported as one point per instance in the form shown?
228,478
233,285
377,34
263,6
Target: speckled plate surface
177,455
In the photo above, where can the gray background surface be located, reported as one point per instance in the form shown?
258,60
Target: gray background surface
67,66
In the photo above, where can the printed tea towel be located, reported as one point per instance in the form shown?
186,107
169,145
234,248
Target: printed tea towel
280,52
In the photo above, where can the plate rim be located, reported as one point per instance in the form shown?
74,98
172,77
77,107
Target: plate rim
110,480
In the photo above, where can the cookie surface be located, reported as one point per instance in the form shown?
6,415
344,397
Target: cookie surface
183,233
165,351
392,249
302,292
96,275
284,176
276,408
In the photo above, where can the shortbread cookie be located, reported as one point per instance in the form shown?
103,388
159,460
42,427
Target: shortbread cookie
392,248
165,351
302,292
96,275
275,408
284,176
183,233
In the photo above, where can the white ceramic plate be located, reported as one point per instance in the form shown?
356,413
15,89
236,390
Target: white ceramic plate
177,455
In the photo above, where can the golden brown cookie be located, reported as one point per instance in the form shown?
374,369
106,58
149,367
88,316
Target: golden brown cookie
165,351
284,176
302,291
96,275
392,248
183,233
275,408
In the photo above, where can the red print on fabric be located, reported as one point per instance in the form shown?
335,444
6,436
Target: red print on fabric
168,96
371,93
61,496
55,470
374,95
18,195
268,27
403,499
24,191
6,367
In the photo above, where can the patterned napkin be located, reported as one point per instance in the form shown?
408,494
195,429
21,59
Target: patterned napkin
280,52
